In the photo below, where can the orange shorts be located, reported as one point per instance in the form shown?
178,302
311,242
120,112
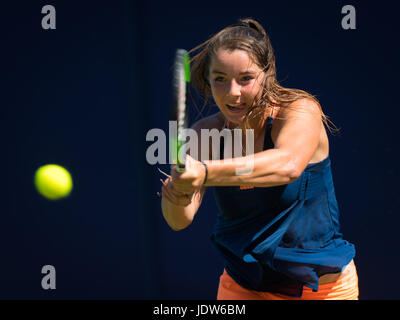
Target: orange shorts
345,287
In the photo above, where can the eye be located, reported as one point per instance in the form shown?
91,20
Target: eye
219,79
247,78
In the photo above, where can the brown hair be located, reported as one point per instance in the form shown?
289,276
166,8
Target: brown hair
250,36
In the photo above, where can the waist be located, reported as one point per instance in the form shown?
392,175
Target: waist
333,277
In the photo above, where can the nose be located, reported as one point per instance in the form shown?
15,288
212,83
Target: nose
234,89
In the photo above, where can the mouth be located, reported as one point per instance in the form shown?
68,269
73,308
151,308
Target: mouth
236,108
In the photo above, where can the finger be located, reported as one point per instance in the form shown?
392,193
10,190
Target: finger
175,192
176,196
175,174
171,194
167,181
175,188
168,197
183,189
179,201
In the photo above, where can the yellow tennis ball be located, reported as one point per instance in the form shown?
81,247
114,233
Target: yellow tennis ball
53,181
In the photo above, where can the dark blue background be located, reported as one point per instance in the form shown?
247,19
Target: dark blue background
85,95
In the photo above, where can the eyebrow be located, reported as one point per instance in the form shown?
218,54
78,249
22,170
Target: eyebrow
246,72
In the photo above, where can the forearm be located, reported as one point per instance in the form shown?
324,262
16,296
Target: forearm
264,169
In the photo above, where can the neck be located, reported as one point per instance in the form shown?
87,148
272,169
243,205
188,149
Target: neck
257,124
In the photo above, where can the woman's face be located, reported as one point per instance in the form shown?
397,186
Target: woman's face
235,82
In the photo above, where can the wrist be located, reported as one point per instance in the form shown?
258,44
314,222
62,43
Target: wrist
205,179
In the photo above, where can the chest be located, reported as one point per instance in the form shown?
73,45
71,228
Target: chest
241,144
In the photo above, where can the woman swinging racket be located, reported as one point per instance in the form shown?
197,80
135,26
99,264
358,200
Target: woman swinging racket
278,226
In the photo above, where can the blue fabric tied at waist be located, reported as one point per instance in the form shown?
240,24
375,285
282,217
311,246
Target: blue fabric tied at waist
285,244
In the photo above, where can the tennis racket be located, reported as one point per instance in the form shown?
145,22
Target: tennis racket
179,110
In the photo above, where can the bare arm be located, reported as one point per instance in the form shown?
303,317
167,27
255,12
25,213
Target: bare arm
295,145
179,208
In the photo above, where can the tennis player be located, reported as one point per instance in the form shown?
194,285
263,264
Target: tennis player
278,225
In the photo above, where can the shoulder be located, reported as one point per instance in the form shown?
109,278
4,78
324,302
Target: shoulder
214,121
304,107
301,118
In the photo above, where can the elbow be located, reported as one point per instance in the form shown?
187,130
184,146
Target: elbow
291,170
175,216
294,174
179,228
178,225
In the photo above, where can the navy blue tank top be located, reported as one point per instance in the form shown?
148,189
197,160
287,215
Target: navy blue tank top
278,239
